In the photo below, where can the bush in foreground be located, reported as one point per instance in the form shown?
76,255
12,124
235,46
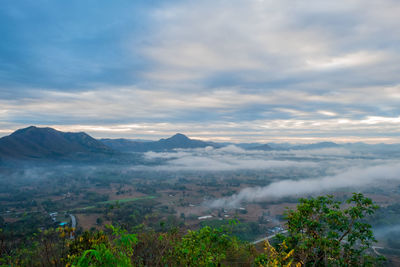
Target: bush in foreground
325,232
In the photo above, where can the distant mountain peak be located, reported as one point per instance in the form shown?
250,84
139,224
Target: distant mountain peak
30,129
179,136
176,141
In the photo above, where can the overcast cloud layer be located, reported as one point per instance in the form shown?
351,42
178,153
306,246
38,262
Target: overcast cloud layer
234,70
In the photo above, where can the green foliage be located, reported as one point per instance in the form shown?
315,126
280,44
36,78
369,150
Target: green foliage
117,252
210,246
323,231
205,247
245,231
86,241
276,257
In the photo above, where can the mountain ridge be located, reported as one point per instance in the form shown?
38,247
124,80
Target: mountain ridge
164,144
35,142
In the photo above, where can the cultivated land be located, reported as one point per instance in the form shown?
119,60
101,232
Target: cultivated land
159,200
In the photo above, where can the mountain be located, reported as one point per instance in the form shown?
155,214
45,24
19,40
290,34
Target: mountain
176,141
287,146
181,141
319,145
34,142
123,145
264,147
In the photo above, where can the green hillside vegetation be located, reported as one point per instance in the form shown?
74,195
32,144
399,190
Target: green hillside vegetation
125,200
321,231
117,202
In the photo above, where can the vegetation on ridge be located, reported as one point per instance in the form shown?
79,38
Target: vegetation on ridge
320,232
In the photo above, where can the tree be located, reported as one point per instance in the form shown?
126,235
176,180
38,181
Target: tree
210,247
115,252
99,221
205,247
325,232
276,257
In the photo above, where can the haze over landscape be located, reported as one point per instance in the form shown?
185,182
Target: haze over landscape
162,115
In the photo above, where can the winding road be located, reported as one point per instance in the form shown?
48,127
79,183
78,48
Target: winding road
268,237
73,225
376,252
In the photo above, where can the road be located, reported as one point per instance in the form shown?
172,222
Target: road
376,252
73,225
268,237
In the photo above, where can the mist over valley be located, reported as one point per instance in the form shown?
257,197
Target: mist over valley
185,182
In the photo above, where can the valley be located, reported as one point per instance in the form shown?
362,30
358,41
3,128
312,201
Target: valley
188,187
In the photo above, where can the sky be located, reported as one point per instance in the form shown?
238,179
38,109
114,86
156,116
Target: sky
223,70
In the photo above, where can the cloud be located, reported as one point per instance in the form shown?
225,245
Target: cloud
228,158
355,178
324,152
346,61
261,41
229,70
233,158
224,114
69,46
290,173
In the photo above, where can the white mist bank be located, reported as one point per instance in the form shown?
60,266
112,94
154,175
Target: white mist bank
231,158
356,178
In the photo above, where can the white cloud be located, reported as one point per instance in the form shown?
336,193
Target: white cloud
268,38
356,178
228,158
327,113
346,61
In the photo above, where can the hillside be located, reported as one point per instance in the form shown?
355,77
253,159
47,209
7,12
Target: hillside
34,142
176,141
319,145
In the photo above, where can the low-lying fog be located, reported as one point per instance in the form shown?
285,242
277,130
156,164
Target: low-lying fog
291,172
329,169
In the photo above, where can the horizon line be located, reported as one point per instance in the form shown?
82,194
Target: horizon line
100,133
